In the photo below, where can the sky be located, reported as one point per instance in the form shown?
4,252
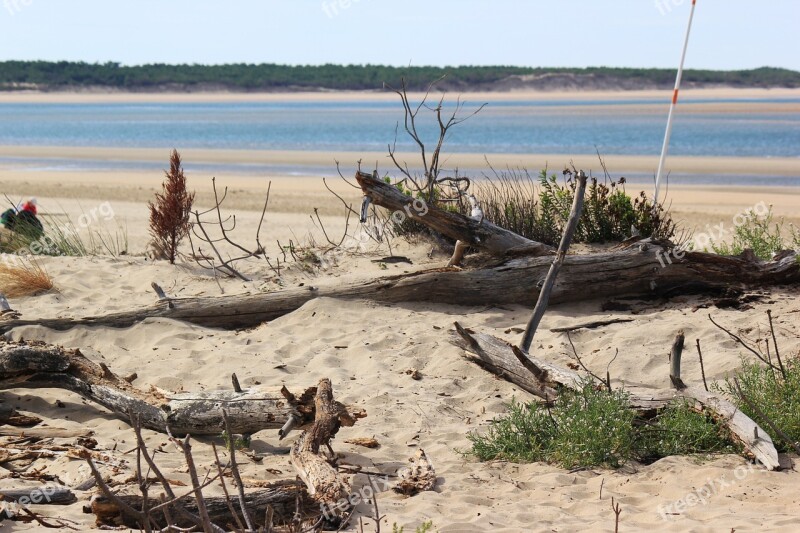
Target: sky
727,34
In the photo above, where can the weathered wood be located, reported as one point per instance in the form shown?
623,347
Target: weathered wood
499,357
675,361
282,496
38,365
45,433
591,325
743,428
552,274
480,234
324,483
44,495
419,477
632,272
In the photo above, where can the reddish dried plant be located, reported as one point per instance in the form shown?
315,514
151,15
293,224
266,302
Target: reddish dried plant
169,215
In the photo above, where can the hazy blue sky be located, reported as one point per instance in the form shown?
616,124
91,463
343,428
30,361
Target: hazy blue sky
728,34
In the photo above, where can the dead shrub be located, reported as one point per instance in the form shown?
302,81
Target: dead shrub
24,279
169,215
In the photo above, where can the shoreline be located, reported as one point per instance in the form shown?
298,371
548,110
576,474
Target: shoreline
346,96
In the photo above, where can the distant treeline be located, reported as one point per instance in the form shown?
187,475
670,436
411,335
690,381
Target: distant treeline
45,75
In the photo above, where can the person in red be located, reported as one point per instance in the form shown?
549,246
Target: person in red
23,220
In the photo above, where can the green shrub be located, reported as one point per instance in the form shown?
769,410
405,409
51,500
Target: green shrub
587,428
681,430
595,427
757,233
778,397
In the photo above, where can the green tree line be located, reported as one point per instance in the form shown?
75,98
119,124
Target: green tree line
47,75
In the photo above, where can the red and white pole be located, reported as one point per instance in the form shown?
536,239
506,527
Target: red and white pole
674,103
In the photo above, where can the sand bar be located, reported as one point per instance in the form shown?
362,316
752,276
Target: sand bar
773,166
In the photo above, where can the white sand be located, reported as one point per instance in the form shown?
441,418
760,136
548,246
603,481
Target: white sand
380,344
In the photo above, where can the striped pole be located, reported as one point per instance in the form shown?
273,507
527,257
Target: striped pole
668,134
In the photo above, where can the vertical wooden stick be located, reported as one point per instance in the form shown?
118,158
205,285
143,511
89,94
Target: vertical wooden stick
702,367
552,274
675,361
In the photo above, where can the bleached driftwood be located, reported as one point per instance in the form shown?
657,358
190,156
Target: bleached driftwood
38,365
480,234
325,485
631,272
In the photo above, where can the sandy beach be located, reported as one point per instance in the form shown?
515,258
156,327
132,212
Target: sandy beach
366,348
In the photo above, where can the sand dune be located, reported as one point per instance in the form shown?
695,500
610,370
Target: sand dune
365,348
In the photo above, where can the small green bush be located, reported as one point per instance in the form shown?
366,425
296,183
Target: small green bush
757,233
681,430
587,428
776,396
595,427
795,237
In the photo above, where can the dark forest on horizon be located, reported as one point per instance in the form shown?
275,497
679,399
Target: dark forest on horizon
66,75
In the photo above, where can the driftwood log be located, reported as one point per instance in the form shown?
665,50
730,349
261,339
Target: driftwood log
503,360
514,275
322,497
480,234
635,271
37,365
282,497
324,483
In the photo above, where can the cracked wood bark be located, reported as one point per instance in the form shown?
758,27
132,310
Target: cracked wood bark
499,358
480,234
325,486
281,496
38,365
635,271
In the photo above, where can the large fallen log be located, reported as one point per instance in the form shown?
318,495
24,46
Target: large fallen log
480,234
639,270
38,365
503,360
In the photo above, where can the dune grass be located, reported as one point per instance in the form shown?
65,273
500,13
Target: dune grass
26,278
